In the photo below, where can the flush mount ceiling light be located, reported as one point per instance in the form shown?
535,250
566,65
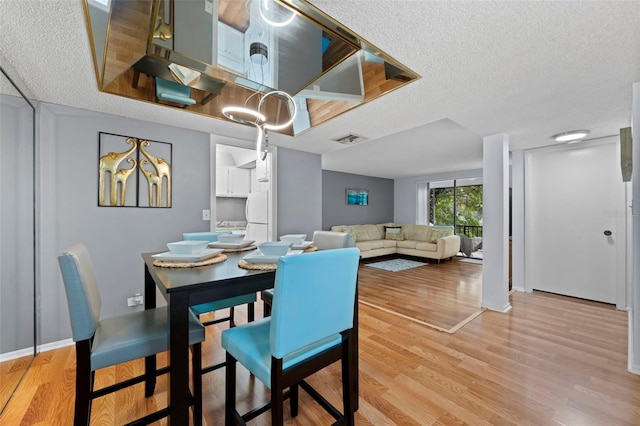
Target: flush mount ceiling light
572,136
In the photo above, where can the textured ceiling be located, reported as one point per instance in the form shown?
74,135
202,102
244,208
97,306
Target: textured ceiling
530,69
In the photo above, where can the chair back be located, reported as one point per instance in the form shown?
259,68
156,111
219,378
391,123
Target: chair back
203,236
313,298
327,240
174,92
83,294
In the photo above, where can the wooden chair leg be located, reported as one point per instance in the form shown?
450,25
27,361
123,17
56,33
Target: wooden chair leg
84,384
232,321
293,400
277,400
251,316
150,372
347,382
230,391
197,383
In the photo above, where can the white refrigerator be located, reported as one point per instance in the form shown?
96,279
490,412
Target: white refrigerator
257,212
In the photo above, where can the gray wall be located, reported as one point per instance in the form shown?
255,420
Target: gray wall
299,192
335,210
115,236
17,275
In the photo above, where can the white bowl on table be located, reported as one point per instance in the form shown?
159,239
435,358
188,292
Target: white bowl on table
295,239
270,249
187,247
230,238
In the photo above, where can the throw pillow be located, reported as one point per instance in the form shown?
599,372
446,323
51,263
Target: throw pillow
438,233
393,233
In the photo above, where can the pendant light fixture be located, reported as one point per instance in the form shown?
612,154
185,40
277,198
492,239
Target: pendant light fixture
236,113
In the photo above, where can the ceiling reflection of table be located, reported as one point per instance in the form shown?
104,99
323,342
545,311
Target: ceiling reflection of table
156,67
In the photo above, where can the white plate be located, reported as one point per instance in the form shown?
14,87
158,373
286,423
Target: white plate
302,246
241,244
168,256
258,257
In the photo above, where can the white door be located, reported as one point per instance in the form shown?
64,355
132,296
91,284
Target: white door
575,226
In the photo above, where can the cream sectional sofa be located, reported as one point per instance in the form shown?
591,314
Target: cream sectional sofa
433,242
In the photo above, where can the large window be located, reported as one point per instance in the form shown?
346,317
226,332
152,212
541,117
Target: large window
457,203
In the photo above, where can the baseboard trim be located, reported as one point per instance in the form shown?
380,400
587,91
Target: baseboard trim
40,348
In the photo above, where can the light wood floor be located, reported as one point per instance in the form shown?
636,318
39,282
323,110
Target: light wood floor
552,360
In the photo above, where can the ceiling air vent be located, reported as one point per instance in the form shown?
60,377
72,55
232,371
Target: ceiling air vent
350,139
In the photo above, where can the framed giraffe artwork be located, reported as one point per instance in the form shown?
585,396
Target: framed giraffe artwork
133,172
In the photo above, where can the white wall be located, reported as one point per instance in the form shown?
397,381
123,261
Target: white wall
634,326
405,208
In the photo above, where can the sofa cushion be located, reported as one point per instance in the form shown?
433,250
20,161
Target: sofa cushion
359,232
426,246
406,244
388,243
393,233
364,245
439,232
416,232
373,232
381,227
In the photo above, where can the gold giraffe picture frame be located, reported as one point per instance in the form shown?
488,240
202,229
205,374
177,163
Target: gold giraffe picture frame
133,172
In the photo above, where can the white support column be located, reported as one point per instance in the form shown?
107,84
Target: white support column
634,314
495,223
517,220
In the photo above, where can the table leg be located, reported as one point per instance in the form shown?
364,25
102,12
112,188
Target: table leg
150,361
179,359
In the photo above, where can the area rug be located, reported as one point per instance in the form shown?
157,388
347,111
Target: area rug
442,296
471,260
396,265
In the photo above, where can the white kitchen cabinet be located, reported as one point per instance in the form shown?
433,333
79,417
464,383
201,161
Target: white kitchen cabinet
232,182
231,48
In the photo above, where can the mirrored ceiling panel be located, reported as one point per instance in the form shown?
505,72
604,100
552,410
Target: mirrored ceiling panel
228,52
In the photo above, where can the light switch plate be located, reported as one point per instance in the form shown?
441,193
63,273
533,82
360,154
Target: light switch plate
206,214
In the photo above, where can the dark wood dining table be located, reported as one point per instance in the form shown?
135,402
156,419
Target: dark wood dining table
185,287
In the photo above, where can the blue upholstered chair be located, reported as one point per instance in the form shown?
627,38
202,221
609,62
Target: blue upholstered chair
313,308
173,92
323,240
203,236
103,343
230,303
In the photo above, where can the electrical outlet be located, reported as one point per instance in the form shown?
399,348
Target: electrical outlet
208,7
136,300
206,214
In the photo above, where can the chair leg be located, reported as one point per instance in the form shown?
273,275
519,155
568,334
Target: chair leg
84,384
230,391
277,400
197,383
266,309
347,381
232,320
293,400
150,372
251,316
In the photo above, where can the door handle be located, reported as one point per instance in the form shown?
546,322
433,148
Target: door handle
608,233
